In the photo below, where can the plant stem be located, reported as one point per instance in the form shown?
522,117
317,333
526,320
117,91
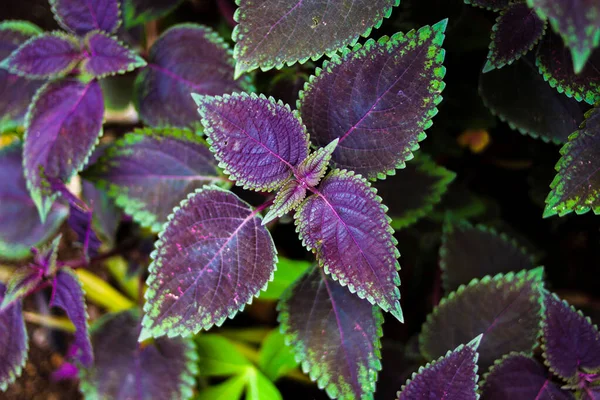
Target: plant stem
49,321
100,292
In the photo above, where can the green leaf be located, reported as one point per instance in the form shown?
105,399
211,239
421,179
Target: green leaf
275,358
231,389
287,272
219,357
259,387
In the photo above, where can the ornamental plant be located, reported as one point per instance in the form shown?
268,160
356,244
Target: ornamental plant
161,176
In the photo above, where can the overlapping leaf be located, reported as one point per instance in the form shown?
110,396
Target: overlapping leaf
453,376
516,31
105,214
258,141
107,56
507,309
494,5
520,377
413,192
20,226
126,369
22,282
288,271
469,252
137,12
378,100
213,256
186,58
345,225
334,334
576,186
513,92
148,172
13,342
83,16
313,168
288,198
285,32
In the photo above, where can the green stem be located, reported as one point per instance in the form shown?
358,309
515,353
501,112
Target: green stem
100,292
49,321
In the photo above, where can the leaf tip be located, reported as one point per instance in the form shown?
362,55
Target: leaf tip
397,312
474,344
488,66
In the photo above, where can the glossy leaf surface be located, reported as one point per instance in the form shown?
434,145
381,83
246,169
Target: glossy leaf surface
107,56
288,198
212,258
137,12
334,334
13,342
83,16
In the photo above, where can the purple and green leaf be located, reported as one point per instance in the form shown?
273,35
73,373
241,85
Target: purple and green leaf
345,225
468,252
138,12
291,31
20,226
516,32
46,258
334,334
520,377
576,186
259,142
453,376
313,168
186,58
49,55
507,309
106,216
212,258
23,281
125,369
83,16
288,198
13,342
413,192
378,99
107,56
63,125
149,187
493,5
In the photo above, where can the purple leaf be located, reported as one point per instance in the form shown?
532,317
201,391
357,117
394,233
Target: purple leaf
469,252
20,226
555,65
288,198
334,334
17,91
83,16
258,141
138,12
345,225
507,309
64,123
212,257
13,342
512,93
107,56
578,23
516,31
23,281
453,376
493,5
67,294
284,32
571,342
313,168
148,188
575,186
105,214
413,192
378,100
50,55
520,377
186,58
47,257
127,370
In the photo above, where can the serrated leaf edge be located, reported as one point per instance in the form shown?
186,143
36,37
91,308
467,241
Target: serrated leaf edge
138,61
17,370
61,22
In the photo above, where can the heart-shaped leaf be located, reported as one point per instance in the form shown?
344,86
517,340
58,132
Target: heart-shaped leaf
571,342
313,168
213,257
13,342
288,31
288,198
507,309
20,226
148,188
22,282
83,16
345,225
512,94
469,252
334,334
125,369
257,140
555,65
378,100
63,125
453,376
68,295
186,58
520,377
516,31
575,186
107,56
413,192
138,12
578,23
50,55
493,5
